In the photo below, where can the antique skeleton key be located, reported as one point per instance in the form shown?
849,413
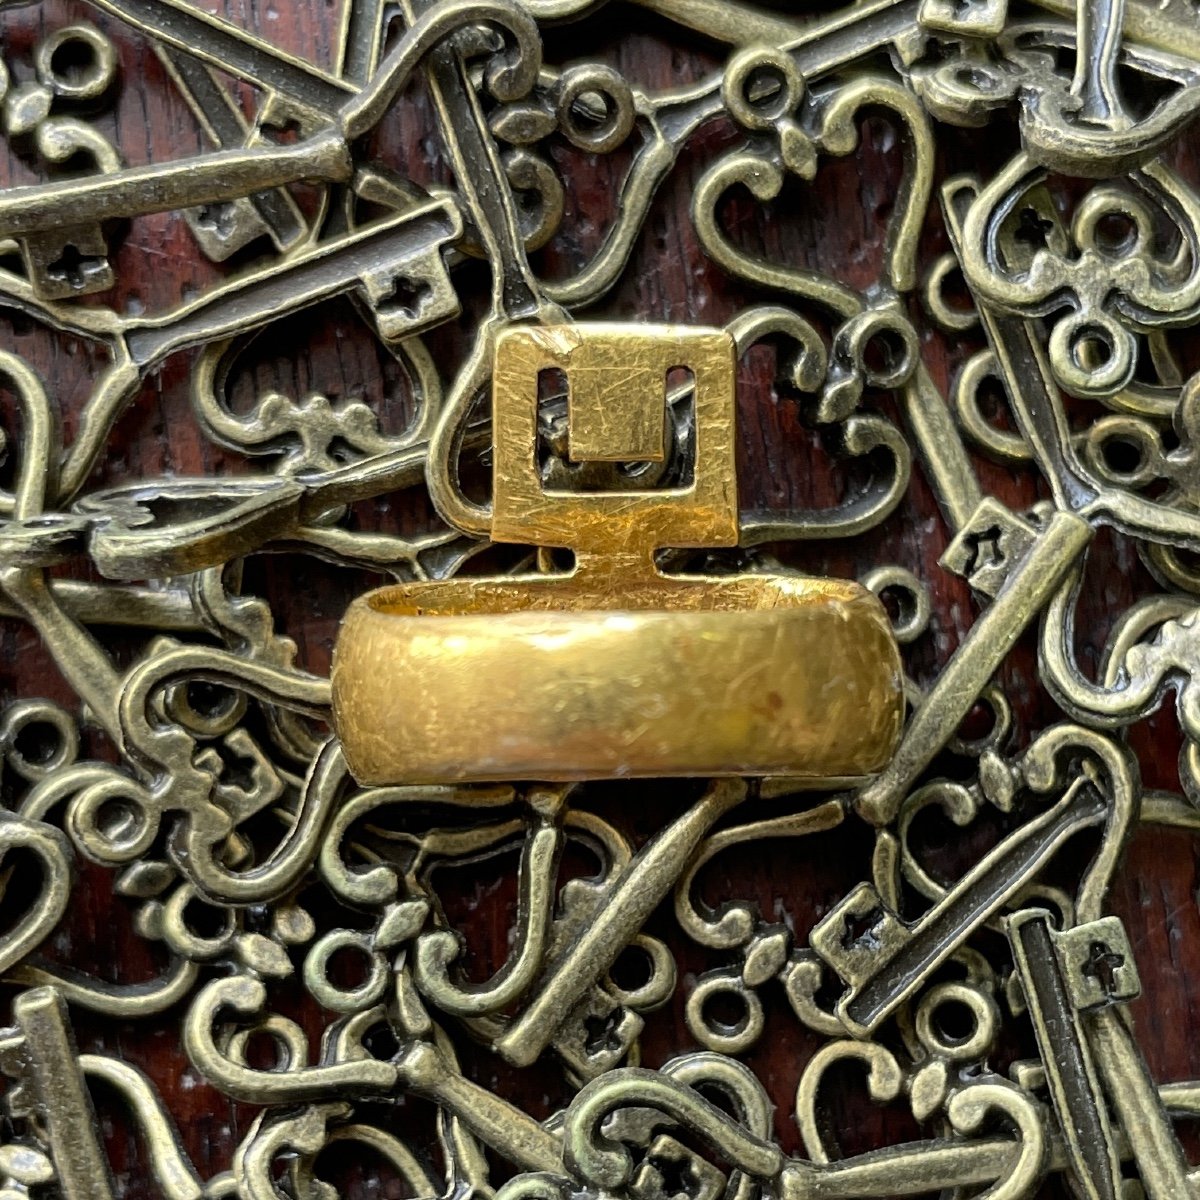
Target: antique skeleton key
222,229
323,156
202,35
420,1065
1022,583
1071,980
40,1051
1038,408
211,179
487,196
71,259
1071,1073
1013,1168
636,893
397,263
884,961
985,549
226,227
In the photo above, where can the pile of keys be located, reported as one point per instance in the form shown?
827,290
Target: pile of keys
292,852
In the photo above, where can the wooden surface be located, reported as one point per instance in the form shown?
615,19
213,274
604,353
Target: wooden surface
837,223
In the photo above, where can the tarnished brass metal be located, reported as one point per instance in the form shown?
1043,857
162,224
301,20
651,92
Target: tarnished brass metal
615,668
1028,300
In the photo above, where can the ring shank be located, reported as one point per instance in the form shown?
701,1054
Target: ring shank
494,680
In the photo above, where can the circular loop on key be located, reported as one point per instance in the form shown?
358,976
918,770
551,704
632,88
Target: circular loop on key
287,1037
1123,451
966,399
659,972
196,929
885,342
334,996
1092,355
941,1010
594,107
539,190
77,61
109,821
205,709
953,318
1116,224
760,86
910,595
993,699
39,738
726,1037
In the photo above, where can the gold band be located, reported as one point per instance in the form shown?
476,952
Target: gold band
616,669
535,678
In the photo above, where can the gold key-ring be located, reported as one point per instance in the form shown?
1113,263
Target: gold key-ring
616,669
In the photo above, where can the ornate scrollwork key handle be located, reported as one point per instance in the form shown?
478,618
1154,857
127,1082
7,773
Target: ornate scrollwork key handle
616,668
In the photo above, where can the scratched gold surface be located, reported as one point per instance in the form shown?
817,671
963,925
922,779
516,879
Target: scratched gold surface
756,461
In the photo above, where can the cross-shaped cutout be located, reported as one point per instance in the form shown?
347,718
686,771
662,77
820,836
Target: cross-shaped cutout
985,550
407,296
1102,965
219,219
677,1176
239,771
860,930
73,268
603,1034
1032,230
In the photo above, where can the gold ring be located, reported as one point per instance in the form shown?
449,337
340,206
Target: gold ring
616,669
473,680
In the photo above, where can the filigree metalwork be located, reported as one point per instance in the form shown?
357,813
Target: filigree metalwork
311,959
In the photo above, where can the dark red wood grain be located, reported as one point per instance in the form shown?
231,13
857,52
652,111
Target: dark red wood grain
836,223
